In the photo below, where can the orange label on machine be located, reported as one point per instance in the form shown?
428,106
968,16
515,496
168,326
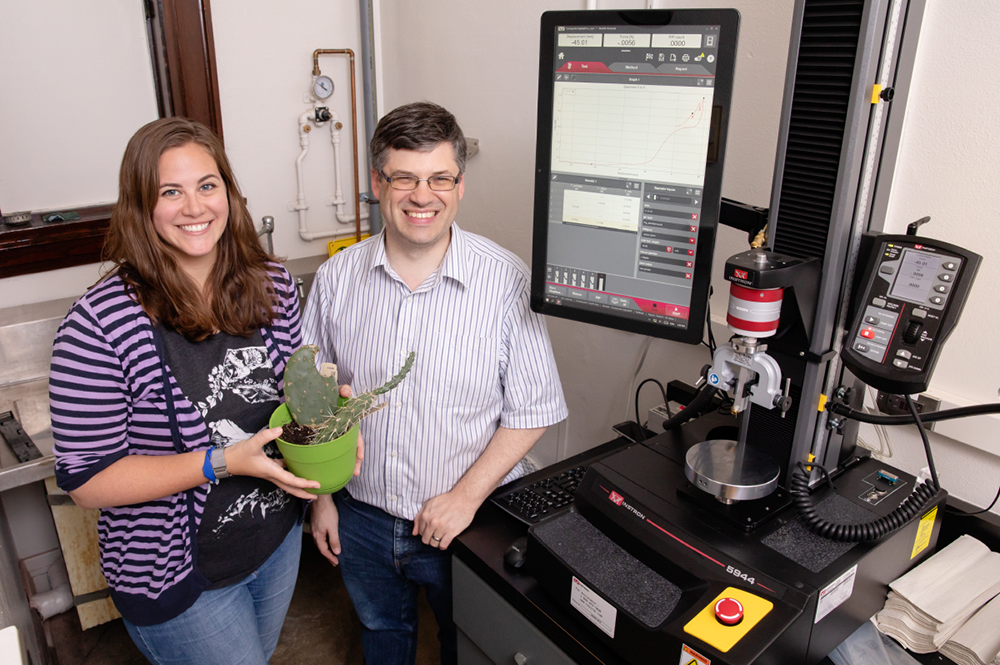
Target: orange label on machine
691,657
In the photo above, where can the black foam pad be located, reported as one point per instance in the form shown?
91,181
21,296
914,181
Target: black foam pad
813,552
607,568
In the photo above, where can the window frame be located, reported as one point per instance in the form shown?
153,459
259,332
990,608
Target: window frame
182,52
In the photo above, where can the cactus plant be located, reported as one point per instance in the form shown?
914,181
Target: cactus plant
312,397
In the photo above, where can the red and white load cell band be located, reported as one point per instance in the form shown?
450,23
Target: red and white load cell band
754,312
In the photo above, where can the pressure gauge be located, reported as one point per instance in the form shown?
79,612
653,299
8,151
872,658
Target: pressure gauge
323,87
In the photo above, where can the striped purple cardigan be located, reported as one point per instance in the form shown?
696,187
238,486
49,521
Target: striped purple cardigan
107,401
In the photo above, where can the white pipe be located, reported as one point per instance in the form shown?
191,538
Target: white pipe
591,4
338,195
300,202
336,235
51,603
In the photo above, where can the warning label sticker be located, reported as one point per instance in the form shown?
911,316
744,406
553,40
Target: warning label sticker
600,612
924,530
691,657
834,595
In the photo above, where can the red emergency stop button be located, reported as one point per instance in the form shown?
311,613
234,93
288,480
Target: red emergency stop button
729,611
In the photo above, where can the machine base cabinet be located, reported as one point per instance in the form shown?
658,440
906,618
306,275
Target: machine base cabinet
491,631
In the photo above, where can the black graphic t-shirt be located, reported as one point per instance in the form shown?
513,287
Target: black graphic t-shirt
231,382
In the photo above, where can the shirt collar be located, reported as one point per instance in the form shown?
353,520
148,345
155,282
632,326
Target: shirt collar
455,264
456,260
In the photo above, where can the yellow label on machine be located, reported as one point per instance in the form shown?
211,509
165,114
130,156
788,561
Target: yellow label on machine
876,92
924,530
709,630
335,246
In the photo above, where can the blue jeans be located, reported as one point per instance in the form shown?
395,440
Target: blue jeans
236,624
383,567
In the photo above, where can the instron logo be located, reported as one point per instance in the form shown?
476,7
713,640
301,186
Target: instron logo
619,500
740,274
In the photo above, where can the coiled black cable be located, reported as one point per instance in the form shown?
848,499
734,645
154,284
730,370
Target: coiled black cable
883,526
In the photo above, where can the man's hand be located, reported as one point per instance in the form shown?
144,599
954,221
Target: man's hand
443,517
325,522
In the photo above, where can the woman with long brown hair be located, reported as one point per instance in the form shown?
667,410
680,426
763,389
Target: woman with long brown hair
164,375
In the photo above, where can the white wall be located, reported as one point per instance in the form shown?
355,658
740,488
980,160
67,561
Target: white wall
264,54
74,85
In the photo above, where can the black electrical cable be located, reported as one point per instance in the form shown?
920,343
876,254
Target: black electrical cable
883,526
663,392
923,437
987,509
708,322
948,414
701,402
826,474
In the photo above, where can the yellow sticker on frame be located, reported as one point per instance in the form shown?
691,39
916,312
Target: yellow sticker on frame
924,530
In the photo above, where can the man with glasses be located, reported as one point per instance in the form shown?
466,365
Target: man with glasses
483,388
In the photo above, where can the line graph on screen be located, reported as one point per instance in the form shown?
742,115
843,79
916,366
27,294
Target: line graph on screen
657,133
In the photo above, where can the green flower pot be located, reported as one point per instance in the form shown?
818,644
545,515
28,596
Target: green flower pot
331,462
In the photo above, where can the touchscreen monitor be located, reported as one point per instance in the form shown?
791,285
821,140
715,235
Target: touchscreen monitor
632,114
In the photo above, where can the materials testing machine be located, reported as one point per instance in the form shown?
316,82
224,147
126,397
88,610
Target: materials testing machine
760,534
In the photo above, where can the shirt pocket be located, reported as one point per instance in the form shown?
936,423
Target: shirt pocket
468,374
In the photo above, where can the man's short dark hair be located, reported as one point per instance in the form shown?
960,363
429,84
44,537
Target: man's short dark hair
420,126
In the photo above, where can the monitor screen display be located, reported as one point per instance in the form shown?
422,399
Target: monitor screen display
632,120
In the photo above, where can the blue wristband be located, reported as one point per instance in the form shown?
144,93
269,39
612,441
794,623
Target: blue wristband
207,469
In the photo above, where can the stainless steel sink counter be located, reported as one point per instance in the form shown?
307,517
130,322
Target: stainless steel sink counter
26,334
29,401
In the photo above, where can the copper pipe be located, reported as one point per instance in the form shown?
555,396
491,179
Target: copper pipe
354,128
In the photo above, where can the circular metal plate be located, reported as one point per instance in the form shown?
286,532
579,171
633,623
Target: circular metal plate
730,473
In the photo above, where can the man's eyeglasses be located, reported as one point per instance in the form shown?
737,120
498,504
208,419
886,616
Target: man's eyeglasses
407,183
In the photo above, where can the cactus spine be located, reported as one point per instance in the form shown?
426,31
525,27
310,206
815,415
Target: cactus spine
312,398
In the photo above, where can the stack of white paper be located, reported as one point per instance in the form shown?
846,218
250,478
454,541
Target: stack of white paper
978,641
930,603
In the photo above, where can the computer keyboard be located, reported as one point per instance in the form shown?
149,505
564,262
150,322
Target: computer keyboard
547,491
534,502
